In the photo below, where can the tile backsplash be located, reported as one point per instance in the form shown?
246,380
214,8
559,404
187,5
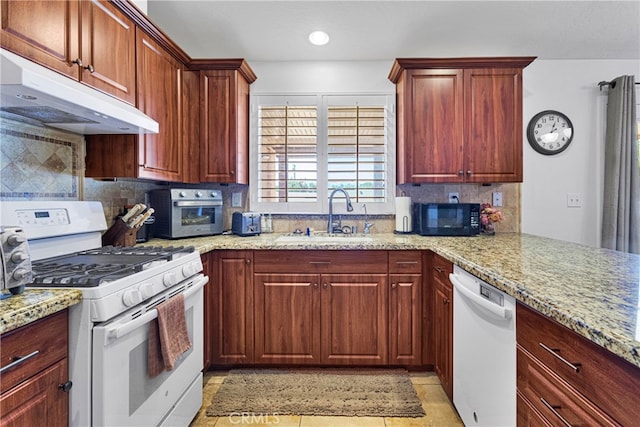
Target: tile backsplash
40,163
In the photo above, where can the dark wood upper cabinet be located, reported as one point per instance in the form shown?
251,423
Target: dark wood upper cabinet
224,121
150,156
459,120
76,38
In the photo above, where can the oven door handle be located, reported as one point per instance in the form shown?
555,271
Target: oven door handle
197,203
120,331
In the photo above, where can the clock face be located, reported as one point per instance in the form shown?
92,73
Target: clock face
550,132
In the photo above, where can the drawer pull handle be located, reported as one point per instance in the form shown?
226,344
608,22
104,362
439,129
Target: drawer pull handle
407,262
17,360
319,262
438,269
555,351
553,408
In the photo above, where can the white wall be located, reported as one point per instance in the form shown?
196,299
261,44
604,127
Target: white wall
571,87
328,77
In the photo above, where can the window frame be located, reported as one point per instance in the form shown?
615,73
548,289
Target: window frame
323,101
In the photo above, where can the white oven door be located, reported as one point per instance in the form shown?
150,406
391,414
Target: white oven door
122,392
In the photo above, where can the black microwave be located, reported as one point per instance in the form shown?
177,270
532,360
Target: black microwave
446,219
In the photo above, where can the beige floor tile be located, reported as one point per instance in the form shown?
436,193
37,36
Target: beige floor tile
342,422
424,378
436,404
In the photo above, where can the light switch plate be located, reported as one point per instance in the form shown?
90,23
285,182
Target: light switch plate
236,200
497,198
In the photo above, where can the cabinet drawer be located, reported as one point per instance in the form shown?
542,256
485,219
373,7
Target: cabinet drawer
528,416
320,261
556,401
405,262
607,380
40,344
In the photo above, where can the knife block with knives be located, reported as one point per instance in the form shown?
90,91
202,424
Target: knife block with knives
123,232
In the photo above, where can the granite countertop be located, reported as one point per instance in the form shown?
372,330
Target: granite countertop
34,304
594,292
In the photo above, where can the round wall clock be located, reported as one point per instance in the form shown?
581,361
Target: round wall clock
550,132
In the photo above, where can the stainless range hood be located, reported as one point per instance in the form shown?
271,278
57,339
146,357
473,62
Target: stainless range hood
30,90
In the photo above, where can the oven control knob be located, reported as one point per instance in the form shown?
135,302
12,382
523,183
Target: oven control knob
170,279
182,194
146,289
131,297
18,257
20,274
189,270
198,193
16,239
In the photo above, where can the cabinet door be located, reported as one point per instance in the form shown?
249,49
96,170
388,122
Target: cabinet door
159,77
44,31
493,122
38,400
232,308
443,335
405,335
287,308
354,319
434,129
106,31
224,127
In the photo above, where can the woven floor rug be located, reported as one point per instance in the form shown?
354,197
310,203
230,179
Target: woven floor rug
334,392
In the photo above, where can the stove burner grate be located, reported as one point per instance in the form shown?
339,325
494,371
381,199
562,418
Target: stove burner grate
96,266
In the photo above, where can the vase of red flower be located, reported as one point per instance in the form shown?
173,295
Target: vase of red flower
488,217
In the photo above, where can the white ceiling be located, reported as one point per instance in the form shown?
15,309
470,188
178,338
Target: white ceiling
362,30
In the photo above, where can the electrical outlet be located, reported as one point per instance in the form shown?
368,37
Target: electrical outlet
236,200
574,200
497,198
454,197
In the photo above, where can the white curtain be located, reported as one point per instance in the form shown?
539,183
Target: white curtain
621,210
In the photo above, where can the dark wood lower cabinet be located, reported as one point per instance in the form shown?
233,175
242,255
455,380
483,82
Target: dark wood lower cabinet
443,322
287,314
314,308
354,313
565,379
230,315
32,391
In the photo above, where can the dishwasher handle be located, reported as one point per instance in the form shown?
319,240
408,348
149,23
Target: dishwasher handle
501,312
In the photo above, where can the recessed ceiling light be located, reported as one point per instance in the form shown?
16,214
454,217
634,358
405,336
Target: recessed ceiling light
319,38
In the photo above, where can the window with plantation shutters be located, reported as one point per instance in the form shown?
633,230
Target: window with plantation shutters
304,146
288,154
356,154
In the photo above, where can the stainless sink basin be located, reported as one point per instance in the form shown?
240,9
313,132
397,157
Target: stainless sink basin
323,238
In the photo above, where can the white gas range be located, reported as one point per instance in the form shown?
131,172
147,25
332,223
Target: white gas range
109,330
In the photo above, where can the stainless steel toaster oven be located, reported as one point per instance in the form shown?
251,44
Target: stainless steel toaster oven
186,212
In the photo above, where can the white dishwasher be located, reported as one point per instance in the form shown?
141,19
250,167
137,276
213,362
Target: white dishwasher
484,352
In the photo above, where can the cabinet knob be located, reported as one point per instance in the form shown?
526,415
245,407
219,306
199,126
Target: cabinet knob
78,62
65,386
315,285
248,261
469,172
89,68
460,172
445,300
393,286
324,285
